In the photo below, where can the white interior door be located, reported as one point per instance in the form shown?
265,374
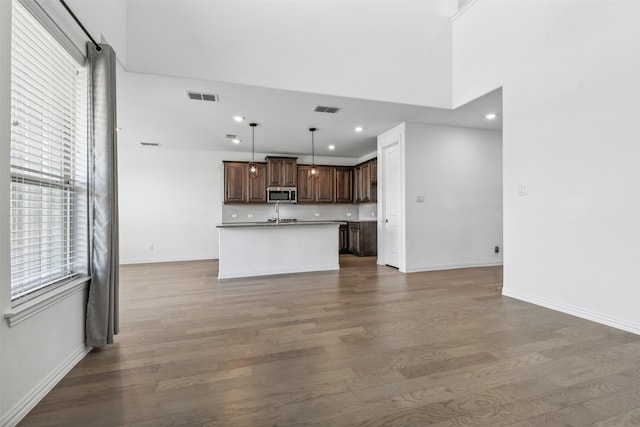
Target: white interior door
391,164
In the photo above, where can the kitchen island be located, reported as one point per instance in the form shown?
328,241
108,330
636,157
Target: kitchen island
267,248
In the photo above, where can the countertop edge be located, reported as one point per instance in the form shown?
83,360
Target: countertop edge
282,224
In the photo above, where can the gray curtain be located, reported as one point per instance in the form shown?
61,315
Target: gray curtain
102,307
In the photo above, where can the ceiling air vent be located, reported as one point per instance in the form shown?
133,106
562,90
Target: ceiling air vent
323,109
203,96
230,136
150,144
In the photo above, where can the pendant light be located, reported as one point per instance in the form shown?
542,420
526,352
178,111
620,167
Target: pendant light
253,167
313,170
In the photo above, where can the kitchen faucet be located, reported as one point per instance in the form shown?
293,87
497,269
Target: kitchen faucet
277,212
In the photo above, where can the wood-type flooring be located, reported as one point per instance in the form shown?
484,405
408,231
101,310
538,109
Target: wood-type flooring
366,346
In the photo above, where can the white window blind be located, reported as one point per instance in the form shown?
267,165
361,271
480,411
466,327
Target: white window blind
49,226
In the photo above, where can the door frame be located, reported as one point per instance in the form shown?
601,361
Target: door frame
389,138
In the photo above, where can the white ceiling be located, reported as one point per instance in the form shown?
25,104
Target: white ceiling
157,109
206,46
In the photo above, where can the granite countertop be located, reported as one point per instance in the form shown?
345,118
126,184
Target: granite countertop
274,224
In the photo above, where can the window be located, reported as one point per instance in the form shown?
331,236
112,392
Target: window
49,208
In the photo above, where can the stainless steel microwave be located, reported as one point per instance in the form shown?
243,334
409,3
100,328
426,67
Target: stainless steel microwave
282,194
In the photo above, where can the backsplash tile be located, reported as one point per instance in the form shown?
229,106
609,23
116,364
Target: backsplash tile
303,212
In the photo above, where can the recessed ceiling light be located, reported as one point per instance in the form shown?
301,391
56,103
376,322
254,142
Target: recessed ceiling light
236,141
491,116
359,129
332,147
238,118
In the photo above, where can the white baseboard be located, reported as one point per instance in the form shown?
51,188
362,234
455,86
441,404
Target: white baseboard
26,404
156,260
574,311
306,269
453,266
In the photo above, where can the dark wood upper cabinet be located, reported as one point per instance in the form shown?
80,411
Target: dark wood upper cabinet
282,172
316,190
325,184
365,181
239,188
357,184
344,191
334,184
236,176
257,187
374,170
305,185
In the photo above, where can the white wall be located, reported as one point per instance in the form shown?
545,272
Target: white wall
168,199
106,20
379,50
458,172
570,73
172,200
37,352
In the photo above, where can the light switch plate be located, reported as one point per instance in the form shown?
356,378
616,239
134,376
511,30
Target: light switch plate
419,199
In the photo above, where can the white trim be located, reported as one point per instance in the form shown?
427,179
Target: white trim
305,269
42,302
153,261
454,266
462,10
40,13
574,311
22,408
395,135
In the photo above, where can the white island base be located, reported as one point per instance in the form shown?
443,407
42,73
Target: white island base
262,249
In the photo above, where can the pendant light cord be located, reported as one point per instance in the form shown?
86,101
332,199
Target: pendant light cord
253,141
313,150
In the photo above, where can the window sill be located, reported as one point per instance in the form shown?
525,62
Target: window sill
42,302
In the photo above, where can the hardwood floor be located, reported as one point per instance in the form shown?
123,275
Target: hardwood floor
364,346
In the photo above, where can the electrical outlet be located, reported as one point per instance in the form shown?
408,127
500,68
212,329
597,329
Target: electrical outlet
317,214
348,213
373,214
250,215
234,215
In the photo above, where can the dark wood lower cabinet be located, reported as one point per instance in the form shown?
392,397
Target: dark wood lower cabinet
363,238
343,238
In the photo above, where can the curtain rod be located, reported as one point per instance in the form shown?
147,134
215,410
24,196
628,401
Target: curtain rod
75,18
